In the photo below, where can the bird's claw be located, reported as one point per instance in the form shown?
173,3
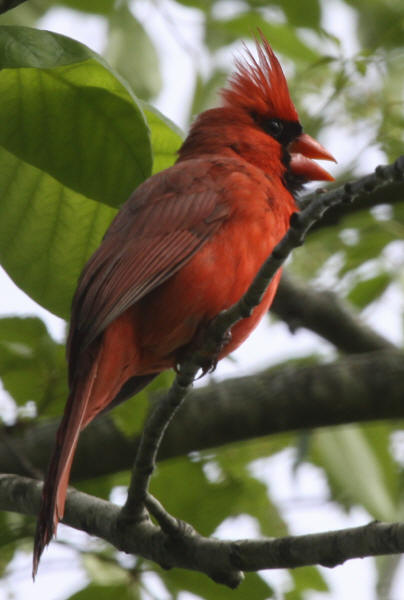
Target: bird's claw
207,361
209,364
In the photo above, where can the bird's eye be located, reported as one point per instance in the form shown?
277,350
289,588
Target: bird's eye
274,127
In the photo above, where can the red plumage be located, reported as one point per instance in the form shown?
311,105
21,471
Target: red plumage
186,245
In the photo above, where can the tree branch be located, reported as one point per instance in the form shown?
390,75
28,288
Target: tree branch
284,399
325,314
384,186
223,561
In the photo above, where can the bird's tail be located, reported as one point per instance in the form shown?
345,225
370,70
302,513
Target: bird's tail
107,377
57,478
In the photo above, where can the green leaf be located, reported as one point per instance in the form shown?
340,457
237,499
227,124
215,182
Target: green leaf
204,5
302,14
166,138
177,581
192,485
306,578
373,240
379,438
354,470
235,461
106,592
102,7
32,364
14,529
132,53
73,135
27,13
224,482
103,573
69,116
101,486
369,290
47,232
129,416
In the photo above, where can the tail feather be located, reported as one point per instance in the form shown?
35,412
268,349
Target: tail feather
107,376
57,478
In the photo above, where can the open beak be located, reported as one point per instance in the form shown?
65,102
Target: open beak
302,150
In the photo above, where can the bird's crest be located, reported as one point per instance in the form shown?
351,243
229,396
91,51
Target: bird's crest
260,86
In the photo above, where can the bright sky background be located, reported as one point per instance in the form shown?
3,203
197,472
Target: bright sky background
305,494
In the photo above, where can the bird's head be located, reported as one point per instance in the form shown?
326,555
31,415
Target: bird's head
259,89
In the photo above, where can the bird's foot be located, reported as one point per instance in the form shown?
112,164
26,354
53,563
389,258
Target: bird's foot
207,358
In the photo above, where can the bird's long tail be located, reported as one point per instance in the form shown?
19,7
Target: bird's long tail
108,375
57,478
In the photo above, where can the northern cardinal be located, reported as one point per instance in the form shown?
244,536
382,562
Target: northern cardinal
186,245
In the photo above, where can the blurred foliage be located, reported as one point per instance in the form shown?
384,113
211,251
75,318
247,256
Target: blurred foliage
81,132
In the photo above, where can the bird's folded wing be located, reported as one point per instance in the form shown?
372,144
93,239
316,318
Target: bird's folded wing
165,222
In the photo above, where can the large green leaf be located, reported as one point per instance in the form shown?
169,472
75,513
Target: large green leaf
69,115
47,232
355,469
32,364
166,138
74,142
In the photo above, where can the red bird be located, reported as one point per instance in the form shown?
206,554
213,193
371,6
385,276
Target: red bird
186,245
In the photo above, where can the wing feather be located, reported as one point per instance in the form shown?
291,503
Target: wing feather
157,231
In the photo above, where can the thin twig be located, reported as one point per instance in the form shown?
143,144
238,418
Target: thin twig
384,186
324,313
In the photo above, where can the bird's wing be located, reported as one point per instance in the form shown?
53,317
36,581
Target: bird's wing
156,232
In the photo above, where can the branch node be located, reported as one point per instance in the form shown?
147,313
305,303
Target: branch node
346,198
295,221
369,186
348,188
277,254
172,526
398,168
381,172
348,193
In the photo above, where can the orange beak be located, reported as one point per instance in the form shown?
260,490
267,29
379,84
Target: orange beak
302,150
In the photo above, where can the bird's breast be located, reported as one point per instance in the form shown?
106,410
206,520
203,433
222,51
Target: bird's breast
214,279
